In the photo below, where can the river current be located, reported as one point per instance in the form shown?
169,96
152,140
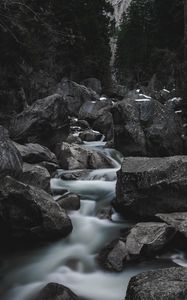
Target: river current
72,261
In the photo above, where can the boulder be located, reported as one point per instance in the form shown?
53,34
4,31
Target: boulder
142,241
35,153
147,186
10,158
72,156
75,95
94,84
104,124
90,135
51,167
36,175
129,137
177,220
91,110
55,291
29,213
69,201
145,127
163,284
74,139
44,122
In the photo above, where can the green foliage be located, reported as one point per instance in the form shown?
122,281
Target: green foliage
150,41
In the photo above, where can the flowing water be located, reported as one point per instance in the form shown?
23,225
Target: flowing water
72,261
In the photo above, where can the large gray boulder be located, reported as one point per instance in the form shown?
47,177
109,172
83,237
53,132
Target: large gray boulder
91,110
36,175
55,291
73,156
44,122
29,213
104,124
147,186
163,284
35,153
10,158
75,95
145,127
142,241
177,220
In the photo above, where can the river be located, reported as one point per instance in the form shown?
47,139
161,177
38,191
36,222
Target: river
72,261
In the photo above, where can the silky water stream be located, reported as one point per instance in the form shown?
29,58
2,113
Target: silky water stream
72,261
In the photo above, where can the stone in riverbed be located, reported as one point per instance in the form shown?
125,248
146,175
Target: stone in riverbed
35,153
74,156
143,240
176,220
69,202
90,135
10,158
55,291
36,175
104,124
145,127
163,284
29,213
44,122
147,186
75,95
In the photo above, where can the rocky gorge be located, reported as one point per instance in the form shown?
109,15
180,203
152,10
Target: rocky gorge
92,193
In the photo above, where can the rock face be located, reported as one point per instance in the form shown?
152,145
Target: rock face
72,156
147,186
164,284
143,240
145,127
10,158
55,291
75,95
30,213
35,153
36,175
44,122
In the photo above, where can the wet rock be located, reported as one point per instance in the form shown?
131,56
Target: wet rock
94,84
10,158
146,127
55,291
74,175
177,220
36,175
75,95
143,240
29,213
104,124
90,136
129,137
35,153
91,110
78,157
44,122
163,284
51,167
74,139
147,186
69,202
